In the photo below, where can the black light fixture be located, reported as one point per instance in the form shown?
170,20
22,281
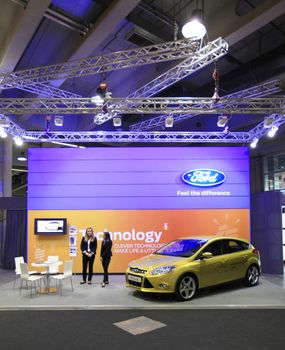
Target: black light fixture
22,157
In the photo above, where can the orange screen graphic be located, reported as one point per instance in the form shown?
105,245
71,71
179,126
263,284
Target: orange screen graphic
135,233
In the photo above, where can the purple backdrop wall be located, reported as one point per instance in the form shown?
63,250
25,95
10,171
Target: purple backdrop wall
134,178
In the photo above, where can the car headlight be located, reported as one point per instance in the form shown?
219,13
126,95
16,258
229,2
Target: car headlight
162,270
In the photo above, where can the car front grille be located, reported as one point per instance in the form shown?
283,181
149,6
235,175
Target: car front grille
136,284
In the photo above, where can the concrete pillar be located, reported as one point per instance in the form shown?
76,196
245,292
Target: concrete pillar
6,157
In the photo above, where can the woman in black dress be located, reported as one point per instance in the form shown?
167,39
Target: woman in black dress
88,248
105,254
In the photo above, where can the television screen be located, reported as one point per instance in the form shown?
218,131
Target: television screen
50,226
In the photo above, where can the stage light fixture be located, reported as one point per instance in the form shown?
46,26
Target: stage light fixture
3,133
18,141
254,142
273,130
108,95
268,122
194,28
97,100
169,121
22,157
222,121
58,120
117,121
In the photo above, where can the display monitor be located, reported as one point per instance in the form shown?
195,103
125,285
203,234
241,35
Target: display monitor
50,226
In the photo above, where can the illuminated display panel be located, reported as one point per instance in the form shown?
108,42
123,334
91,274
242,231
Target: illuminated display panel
139,195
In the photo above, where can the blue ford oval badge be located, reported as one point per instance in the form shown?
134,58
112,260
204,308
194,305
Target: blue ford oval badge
204,177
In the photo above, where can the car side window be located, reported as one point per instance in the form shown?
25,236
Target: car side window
215,248
233,246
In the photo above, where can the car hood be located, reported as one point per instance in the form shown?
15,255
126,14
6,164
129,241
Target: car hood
155,260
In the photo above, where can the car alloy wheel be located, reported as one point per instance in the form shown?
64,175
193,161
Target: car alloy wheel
186,287
252,276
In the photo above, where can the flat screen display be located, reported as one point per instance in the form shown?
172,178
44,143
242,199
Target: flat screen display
50,226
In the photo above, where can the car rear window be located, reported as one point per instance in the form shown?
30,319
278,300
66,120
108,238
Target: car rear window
232,246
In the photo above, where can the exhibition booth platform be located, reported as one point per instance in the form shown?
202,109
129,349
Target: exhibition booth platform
270,293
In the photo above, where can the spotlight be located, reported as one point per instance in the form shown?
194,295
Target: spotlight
273,130
216,96
3,133
97,100
108,95
169,122
18,141
222,121
268,122
58,120
22,157
117,121
254,142
194,29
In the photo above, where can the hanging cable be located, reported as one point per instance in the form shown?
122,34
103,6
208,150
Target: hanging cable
216,77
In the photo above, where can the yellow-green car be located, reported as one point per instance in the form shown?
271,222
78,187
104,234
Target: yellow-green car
187,264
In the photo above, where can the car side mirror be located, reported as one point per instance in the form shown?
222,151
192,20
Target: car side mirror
206,255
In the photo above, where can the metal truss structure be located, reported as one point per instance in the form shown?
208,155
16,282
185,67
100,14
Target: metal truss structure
140,136
260,90
46,90
155,105
99,64
260,130
201,58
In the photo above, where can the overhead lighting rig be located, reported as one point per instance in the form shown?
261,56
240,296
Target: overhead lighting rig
222,121
169,122
58,120
117,121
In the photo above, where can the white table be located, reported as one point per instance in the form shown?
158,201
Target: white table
47,265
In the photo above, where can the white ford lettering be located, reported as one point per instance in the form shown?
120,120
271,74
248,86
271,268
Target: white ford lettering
204,176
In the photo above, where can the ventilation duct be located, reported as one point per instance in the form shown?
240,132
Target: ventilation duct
142,37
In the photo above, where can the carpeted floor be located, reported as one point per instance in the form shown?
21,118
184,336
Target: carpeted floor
186,329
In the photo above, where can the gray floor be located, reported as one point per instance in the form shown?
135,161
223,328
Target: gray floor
270,293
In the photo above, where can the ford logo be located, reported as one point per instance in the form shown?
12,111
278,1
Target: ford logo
204,177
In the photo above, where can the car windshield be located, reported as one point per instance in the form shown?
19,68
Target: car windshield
183,247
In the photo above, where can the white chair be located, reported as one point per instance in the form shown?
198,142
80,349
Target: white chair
18,261
25,276
53,269
66,274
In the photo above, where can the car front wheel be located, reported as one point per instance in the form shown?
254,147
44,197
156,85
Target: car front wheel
252,276
186,288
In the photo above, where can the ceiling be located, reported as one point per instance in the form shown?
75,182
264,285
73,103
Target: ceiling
38,33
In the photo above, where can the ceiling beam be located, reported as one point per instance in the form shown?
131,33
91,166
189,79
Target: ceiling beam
234,28
23,33
104,26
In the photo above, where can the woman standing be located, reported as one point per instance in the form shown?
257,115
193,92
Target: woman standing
88,248
105,254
